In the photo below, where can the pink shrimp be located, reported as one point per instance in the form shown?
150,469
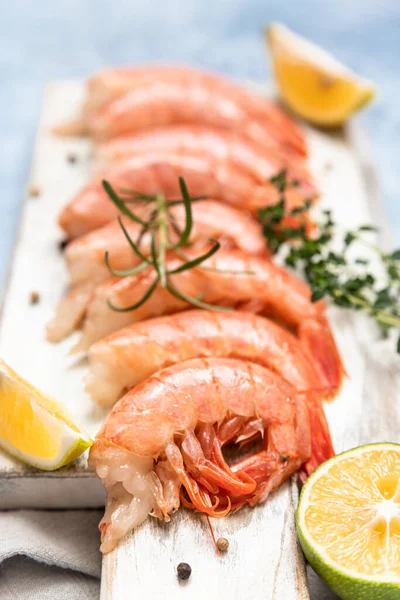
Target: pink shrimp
125,358
162,443
155,173
220,145
231,278
130,355
125,100
85,255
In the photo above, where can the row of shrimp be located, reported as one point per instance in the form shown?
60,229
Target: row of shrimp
185,383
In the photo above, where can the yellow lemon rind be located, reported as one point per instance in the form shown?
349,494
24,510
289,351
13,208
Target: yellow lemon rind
67,454
69,440
291,54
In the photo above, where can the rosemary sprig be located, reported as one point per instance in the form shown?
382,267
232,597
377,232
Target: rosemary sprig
158,224
120,204
333,273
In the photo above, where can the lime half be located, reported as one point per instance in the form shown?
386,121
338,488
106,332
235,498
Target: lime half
348,521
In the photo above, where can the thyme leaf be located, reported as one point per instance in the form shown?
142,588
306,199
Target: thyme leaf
332,273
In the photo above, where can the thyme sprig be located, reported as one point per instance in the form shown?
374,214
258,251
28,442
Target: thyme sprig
324,258
158,224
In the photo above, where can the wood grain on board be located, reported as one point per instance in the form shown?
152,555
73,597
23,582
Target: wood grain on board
264,560
37,265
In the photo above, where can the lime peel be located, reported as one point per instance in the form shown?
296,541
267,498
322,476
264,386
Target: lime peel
327,507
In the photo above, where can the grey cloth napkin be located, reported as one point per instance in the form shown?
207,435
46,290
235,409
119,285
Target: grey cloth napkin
54,555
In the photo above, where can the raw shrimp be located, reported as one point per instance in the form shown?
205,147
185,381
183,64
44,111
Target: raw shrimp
162,443
220,145
232,279
155,173
125,100
234,228
85,255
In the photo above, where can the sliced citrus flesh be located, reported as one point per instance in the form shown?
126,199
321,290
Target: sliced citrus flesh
348,521
312,82
34,427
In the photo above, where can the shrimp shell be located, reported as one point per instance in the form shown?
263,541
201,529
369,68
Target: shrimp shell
122,100
220,145
182,417
85,255
130,355
230,278
155,173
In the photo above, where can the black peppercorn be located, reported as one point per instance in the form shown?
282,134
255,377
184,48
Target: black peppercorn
184,570
62,245
71,158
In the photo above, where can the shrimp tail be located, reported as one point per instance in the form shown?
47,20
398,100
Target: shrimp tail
70,312
321,443
316,336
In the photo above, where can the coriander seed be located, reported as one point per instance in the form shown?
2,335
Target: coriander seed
34,191
34,297
222,544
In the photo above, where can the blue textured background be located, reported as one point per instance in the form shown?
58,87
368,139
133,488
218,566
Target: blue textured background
43,40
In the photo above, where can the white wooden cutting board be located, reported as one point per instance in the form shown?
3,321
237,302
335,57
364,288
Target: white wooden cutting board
264,561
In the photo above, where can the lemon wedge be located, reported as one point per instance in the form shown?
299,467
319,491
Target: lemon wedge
348,521
312,82
35,428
